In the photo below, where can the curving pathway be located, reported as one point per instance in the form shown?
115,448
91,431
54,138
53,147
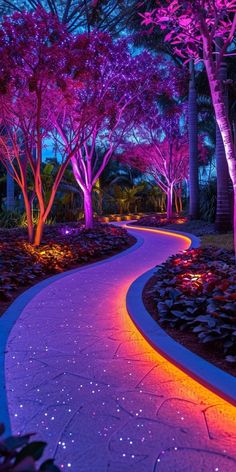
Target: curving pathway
80,374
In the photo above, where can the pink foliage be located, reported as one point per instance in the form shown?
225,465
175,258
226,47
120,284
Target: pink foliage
34,49
184,21
204,30
106,107
166,161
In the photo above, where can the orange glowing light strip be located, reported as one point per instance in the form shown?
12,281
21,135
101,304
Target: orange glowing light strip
160,231
192,389
227,415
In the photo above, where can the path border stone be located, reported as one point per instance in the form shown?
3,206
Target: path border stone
215,379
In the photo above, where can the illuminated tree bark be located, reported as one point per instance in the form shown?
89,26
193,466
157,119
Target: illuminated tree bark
223,216
88,209
28,106
170,202
195,28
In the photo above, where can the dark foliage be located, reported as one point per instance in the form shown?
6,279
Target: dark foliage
18,454
196,291
158,220
63,247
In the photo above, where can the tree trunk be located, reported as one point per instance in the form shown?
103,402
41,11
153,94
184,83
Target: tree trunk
176,202
224,126
39,231
163,203
193,147
223,216
10,204
169,202
88,209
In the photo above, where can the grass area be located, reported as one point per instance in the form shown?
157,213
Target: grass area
225,241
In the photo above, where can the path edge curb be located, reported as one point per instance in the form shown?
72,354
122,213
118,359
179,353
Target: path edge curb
205,373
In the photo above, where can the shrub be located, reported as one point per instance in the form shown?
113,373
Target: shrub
196,291
10,219
208,201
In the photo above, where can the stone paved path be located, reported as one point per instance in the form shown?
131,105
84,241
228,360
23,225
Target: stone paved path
80,375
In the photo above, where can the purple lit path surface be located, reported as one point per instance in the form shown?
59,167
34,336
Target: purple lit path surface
79,374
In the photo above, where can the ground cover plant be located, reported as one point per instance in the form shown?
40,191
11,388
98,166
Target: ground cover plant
63,247
196,291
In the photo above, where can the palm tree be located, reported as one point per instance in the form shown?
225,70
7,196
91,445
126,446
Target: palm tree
223,218
127,198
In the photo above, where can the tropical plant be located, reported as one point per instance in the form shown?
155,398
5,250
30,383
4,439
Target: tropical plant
208,201
156,199
10,219
127,198
195,291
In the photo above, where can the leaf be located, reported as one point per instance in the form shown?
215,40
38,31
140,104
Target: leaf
203,318
26,465
34,450
174,293
206,339
231,359
198,329
14,442
177,313
49,466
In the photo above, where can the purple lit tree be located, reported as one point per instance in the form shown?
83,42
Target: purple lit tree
35,65
158,145
195,28
166,161
102,112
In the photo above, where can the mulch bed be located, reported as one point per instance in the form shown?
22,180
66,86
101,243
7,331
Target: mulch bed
195,291
63,247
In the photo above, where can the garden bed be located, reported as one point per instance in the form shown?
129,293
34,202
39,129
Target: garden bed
193,297
178,223
63,247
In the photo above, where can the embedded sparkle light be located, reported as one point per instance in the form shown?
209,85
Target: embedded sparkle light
160,397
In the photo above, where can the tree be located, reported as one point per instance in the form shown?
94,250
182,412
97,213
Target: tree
159,135
194,29
156,42
166,161
35,54
223,216
105,109
79,15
